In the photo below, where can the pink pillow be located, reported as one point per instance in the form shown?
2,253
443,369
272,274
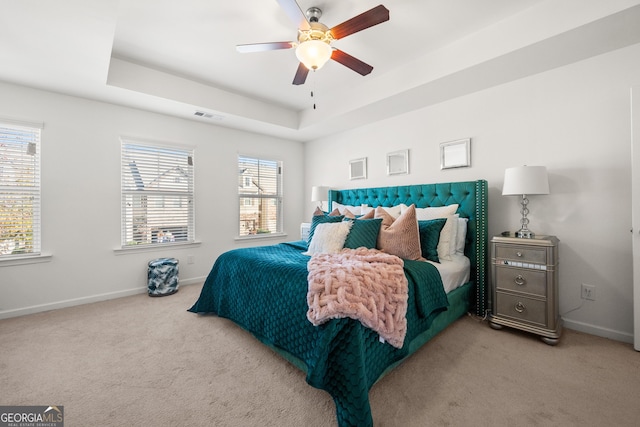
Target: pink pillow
369,215
399,237
348,214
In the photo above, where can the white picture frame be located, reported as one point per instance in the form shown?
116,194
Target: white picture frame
455,154
398,162
358,168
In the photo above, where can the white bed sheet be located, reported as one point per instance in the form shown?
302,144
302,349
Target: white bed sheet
454,273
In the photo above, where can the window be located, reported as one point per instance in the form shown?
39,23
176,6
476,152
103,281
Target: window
157,194
260,196
19,189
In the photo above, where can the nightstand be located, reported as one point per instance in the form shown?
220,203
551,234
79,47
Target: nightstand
524,285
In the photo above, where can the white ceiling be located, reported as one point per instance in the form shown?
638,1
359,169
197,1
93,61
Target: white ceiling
179,57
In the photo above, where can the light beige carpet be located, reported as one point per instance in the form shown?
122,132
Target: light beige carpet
141,361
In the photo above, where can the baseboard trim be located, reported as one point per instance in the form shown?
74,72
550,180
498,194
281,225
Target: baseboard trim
598,331
6,314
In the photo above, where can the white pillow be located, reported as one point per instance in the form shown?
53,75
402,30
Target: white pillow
353,209
453,236
434,213
395,211
461,236
365,209
356,210
328,238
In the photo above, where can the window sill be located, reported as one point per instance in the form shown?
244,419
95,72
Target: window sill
25,259
260,237
155,247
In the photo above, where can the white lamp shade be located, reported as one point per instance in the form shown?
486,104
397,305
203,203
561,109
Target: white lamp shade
313,53
319,194
524,180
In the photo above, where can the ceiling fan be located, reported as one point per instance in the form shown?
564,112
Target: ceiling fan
313,47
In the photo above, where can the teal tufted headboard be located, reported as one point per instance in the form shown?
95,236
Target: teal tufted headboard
472,198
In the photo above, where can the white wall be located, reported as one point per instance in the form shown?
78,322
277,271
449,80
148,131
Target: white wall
81,198
576,121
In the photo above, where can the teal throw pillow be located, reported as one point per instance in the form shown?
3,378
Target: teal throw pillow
429,237
364,233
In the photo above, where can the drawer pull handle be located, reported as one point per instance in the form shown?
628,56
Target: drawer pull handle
519,253
519,280
519,307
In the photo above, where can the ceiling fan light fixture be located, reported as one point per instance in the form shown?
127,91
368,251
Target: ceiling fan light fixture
314,53
313,48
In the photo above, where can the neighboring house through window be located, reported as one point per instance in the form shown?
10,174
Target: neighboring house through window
19,188
157,194
259,196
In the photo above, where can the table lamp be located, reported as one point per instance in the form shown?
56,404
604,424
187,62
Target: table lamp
319,194
523,181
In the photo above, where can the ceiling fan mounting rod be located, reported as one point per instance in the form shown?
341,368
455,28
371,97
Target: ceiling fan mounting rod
314,14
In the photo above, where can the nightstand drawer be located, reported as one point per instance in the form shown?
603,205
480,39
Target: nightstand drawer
522,280
532,255
522,309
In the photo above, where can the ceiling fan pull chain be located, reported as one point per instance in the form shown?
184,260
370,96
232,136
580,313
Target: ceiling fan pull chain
314,86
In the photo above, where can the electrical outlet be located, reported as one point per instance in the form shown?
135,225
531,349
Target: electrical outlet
190,259
588,292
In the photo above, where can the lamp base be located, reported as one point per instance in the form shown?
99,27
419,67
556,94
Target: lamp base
525,234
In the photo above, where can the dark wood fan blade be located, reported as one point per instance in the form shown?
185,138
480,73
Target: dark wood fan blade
263,47
350,62
294,13
375,16
301,75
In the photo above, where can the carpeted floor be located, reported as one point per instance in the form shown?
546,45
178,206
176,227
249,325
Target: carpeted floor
141,361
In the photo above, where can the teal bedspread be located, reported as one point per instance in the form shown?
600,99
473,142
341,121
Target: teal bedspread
263,289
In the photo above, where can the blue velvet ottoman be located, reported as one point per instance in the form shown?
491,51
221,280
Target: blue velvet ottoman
162,277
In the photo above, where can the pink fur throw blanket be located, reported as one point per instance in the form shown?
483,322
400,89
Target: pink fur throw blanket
364,284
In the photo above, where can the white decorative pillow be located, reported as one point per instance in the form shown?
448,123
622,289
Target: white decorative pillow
329,238
446,238
461,236
452,235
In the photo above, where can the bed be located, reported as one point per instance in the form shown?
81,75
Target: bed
264,290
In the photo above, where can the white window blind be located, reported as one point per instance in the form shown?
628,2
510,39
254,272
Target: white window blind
259,196
19,189
157,194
